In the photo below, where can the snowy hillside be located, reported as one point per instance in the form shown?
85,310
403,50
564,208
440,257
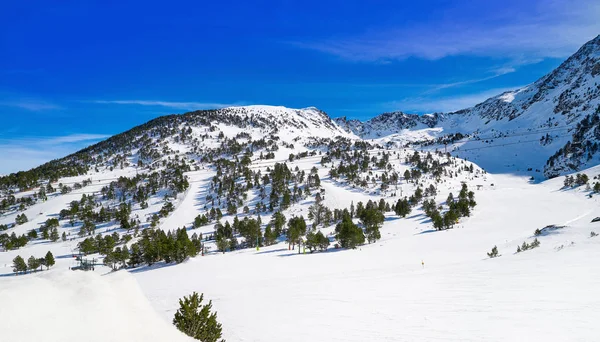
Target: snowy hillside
417,281
551,125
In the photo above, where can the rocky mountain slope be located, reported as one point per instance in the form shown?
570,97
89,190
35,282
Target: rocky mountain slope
199,136
553,123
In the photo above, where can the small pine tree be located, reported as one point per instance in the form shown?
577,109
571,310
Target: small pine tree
33,263
196,320
49,260
54,235
402,207
493,253
348,234
19,265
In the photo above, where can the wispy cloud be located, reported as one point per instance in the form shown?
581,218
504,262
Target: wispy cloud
547,29
496,72
27,152
30,104
443,104
74,138
169,104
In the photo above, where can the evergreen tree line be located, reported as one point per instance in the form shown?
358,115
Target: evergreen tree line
33,263
154,246
457,208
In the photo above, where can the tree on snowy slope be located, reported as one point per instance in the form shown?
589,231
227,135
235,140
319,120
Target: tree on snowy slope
402,207
33,263
318,240
319,214
19,265
197,320
296,229
222,236
372,219
348,234
278,221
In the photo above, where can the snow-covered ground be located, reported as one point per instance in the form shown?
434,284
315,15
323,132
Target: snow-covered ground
379,292
62,305
414,284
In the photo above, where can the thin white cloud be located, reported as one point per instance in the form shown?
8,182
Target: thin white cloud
24,153
168,104
549,29
30,104
444,104
73,138
496,72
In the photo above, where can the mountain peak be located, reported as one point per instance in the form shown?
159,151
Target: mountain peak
563,106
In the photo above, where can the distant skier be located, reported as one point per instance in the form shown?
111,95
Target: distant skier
423,263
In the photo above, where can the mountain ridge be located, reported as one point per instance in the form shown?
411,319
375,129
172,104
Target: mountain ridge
567,97
561,109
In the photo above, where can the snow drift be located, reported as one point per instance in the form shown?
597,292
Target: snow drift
66,306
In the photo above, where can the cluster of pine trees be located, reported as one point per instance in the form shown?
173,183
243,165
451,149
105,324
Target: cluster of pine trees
21,219
154,246
13,241
102,244
579,180
457,208
527,246
33,263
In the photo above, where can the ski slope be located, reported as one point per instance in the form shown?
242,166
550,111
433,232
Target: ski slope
414,284
62,305
381,292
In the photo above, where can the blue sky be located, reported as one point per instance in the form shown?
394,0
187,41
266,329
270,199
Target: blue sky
74,72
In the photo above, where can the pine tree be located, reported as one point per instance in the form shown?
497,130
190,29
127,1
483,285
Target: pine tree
348,234
402,207
33,263
311,241
296,229
54,235
270,237
372,219
32,234
125,255
493,253
19,264
322,240
136,256
222,243
196,320
49,260
278,220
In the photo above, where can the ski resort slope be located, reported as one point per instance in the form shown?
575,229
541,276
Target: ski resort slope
382,292
62,305
414,284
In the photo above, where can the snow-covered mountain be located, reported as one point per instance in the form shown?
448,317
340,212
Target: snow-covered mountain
205,134
388,123
552,124
215,201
